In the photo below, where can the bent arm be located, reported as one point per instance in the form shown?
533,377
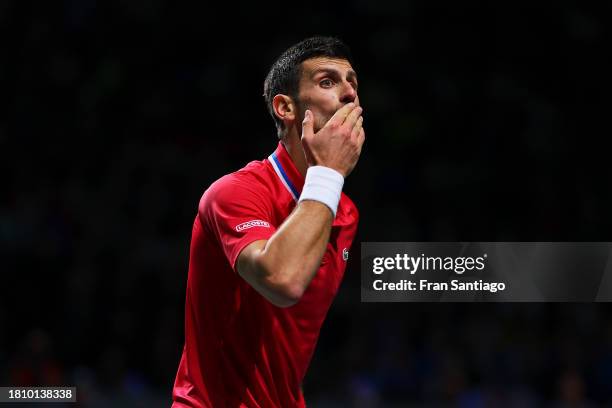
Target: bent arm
281,268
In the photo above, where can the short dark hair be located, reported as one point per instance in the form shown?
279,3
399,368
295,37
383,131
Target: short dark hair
284,75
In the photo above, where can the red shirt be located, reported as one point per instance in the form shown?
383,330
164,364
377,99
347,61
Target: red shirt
241,350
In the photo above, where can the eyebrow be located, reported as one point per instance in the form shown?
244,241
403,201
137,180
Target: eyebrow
330,71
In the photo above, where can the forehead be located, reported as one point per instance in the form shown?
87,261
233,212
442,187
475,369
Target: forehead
313,65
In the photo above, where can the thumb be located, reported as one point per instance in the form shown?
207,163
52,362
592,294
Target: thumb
307,125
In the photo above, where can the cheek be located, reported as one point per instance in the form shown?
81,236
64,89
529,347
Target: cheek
323,99
330,99
322,104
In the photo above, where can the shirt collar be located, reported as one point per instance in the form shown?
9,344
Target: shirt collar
286,171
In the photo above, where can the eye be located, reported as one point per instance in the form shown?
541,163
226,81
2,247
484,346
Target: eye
326,83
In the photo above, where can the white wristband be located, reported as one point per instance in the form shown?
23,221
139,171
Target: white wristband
323,184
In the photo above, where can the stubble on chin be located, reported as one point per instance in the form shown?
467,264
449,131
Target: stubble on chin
320,120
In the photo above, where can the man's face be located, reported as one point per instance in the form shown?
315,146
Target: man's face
326,85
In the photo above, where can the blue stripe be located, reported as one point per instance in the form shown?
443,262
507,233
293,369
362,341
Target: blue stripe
289,183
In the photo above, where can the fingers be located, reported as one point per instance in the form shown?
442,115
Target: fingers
307,125
360,140
341,115
357,127
353,117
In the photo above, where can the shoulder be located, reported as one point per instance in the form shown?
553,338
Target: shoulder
247,184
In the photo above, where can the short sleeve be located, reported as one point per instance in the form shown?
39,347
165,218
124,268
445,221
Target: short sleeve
239,212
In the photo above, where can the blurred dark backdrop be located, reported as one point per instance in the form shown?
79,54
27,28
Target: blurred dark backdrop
484,123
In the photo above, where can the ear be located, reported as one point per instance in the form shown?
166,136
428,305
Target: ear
284,108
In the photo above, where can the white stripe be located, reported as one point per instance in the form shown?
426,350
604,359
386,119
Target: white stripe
280,176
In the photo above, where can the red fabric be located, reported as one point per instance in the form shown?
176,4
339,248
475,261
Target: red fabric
241,350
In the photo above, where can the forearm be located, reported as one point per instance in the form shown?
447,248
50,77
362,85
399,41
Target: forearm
295,251
282,267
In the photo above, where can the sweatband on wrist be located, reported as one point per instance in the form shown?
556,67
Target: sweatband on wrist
323,184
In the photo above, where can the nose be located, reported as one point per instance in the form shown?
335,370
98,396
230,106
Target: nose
349,93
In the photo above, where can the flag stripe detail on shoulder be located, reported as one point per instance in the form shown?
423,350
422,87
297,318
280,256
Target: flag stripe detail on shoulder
278,168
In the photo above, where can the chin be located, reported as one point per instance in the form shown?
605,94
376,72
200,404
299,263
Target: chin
320,123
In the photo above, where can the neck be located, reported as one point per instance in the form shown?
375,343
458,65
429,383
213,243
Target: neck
293,144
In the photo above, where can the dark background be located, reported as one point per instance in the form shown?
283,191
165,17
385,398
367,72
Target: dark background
485,122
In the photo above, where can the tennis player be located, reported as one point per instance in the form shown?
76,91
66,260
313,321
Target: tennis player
270,242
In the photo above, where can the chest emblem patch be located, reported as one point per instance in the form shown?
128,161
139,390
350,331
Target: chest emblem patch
345,254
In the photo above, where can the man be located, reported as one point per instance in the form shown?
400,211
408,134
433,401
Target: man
270,241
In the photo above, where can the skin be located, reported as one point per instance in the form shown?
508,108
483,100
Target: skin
323,127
